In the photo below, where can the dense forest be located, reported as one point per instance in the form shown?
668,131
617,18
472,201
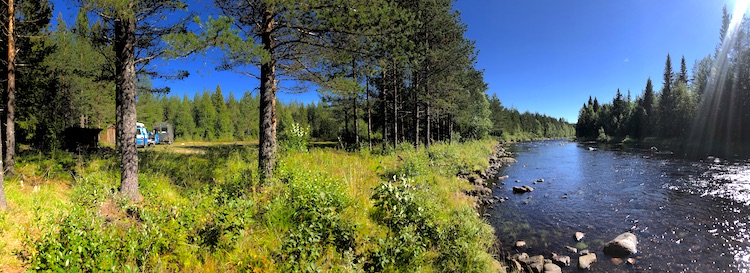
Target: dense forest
707,110
209,116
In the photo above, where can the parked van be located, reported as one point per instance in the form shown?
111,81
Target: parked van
141,135
164,132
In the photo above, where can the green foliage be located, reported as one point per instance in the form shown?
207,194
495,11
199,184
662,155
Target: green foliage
295,138
411,229
312,205
206,212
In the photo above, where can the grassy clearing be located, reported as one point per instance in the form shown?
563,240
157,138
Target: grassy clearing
399,210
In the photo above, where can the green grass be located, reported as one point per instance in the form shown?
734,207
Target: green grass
326,210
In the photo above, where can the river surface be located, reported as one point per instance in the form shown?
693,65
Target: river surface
688,215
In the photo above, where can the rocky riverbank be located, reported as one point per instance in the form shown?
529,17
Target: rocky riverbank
489,193
483,182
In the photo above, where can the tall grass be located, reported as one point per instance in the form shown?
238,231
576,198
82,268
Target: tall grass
325,211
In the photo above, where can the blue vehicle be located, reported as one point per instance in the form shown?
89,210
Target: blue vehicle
142,137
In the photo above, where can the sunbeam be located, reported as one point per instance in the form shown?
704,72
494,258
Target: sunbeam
712,130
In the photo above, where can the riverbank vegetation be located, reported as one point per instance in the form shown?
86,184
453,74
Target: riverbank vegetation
398,210
703,112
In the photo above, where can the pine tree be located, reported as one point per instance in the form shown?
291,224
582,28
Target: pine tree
667,102
224,127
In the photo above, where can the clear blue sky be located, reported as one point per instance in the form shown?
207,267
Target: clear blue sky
542,56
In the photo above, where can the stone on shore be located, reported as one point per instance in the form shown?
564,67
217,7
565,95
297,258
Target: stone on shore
552,268
523,258
536,263
585,261
622,246
507,160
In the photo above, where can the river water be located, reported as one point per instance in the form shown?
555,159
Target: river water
688,215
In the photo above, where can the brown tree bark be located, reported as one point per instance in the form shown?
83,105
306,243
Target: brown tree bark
11,54
428,124
125,89
356,124
10,122
369,114
395,107
267,141
384,109
415,82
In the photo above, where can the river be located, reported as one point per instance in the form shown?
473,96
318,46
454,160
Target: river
688,215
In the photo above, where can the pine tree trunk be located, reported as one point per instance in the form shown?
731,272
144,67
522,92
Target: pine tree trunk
3,201
356,124
125,88
450,129
428,123
415,82
395,108
369,115
267,141
10,125
384,108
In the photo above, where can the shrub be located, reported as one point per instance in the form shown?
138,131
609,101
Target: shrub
411,229
295,138
312,204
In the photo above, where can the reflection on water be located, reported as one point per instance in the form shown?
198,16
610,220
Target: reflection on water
689,216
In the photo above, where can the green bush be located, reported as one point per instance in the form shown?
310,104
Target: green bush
413,163
311,205
295,138
411,228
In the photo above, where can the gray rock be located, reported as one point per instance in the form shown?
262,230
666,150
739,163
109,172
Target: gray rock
522,257
552,268
507,160
561,260
571,249
540,180
537,263
585,261
623,245
583,252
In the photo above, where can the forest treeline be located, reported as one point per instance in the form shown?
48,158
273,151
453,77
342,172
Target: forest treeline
210,116
706,110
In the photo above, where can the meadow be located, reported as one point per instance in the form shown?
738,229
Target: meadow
326,210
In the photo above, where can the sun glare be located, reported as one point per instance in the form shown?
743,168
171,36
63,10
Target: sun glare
740,8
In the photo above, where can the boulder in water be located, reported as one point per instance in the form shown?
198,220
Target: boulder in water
585,261
579,235
561,260
571,249
520,244
622,246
